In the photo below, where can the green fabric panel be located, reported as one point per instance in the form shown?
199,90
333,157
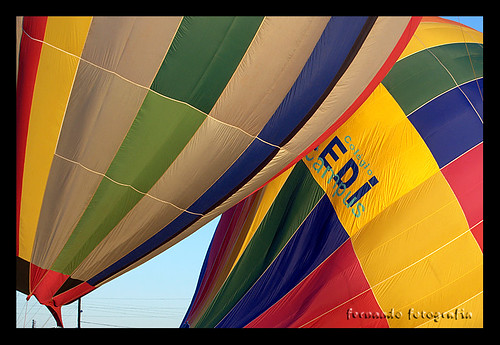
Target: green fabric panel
158,134
107,207
202,58
457,61
294,202
418,78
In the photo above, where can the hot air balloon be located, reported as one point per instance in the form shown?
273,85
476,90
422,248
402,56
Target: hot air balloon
380,225
132,133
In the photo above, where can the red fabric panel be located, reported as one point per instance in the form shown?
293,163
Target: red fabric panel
386,67
217,242
359,312
221,247
29,56
56,313
325,296
35,27
73,294
45,283
35,276
477,231
442,20
465,176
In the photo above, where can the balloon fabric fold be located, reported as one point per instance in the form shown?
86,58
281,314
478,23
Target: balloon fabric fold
380,224
326,143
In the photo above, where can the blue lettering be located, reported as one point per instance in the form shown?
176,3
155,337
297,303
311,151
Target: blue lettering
348,204
317,166
357,214
351,164
307,156
329,151
363,189
350,200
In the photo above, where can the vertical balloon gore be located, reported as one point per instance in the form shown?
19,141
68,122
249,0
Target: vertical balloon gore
359,232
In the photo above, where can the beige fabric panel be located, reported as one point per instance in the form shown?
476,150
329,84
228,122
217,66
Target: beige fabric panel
147,45
131,231
209,153
61,208
101,108
105,50
131,45
100,111
257,181
366,64
98,116
213,148
267,71
248,101
370,58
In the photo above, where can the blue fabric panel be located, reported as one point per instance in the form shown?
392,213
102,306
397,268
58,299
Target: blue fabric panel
256,154
318,236
471,89
154,242
321,67
449,126
327,57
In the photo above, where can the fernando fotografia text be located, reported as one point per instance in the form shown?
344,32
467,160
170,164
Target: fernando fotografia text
412,314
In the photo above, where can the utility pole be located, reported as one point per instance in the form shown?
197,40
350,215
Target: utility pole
79,311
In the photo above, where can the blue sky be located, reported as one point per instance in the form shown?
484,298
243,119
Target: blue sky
156,294
475,22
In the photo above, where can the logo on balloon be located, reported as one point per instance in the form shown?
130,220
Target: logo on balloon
331,151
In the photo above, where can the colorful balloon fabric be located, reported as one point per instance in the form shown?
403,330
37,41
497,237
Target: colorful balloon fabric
132,133
381,224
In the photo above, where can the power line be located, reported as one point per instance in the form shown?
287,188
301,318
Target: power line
104,324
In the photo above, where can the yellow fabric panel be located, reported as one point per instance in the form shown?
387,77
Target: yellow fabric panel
465,315
441,281
383,143
68,33
430,259
407,230
430,34
269,194
56,72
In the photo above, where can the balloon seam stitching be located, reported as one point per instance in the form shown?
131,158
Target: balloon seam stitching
467,300
151,90
451,77
393,275
442,93
438,45
126,185
470,60
473,147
